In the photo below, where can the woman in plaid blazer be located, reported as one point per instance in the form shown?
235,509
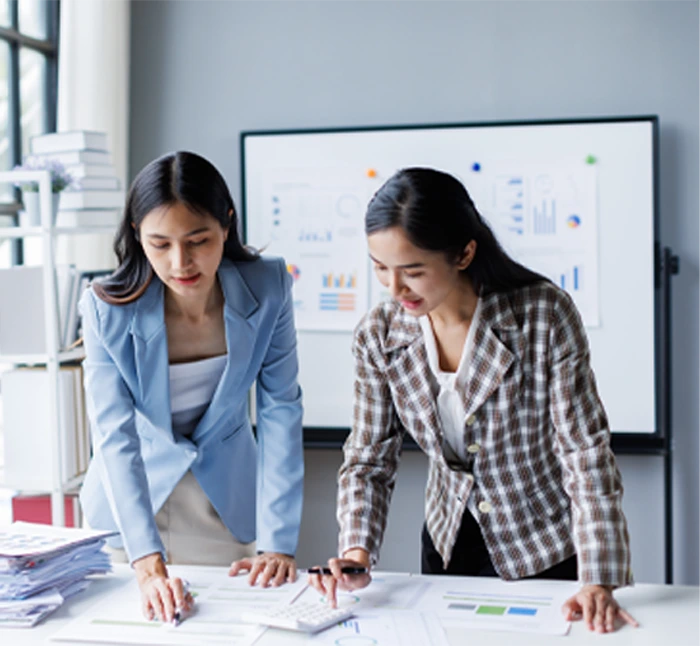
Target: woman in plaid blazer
486,365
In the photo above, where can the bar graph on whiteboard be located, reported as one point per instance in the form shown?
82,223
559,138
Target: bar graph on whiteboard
337,302
544,216
343,298
574,273
340,281
572,279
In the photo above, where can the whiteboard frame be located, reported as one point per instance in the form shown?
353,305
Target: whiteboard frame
654,442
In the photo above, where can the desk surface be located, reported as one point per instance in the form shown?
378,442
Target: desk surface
666,614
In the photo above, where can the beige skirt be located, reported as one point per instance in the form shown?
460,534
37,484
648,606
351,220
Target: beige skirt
191,530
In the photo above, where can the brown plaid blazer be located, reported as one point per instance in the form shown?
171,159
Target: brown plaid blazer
540,478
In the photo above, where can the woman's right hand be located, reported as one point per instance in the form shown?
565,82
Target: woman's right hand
161,596
328,584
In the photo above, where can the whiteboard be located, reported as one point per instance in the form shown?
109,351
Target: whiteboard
304,196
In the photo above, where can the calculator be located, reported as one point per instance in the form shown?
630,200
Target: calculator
303,616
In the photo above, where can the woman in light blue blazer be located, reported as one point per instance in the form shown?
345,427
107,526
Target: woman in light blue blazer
174,340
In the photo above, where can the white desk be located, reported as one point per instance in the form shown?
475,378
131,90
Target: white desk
667,614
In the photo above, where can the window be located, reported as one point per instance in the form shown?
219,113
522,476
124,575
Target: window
28,88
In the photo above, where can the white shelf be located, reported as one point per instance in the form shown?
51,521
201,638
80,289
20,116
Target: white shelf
71,487
23,232
76,354
54,356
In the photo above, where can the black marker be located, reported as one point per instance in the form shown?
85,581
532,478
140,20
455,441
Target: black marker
344,570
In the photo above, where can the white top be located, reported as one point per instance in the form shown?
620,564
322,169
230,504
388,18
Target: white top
450,403
192,387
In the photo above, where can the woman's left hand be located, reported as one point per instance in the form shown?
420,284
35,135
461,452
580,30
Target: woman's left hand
268,568
597,607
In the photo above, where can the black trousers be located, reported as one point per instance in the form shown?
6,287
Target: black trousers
471,558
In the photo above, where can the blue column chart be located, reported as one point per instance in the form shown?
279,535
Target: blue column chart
544,218
572,279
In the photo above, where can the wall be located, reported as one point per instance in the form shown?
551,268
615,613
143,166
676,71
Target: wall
203,71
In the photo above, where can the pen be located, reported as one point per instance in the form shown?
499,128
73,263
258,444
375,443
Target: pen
344,570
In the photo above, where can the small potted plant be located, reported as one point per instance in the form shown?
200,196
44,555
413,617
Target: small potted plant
60,180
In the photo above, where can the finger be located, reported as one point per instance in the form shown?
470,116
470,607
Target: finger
240,565
167,600
610,614
281,574
331,583
336,568
157,604
292,572
178,590
588,611
571,609
268,572
316,582
258,567
147,608
600,606
626,616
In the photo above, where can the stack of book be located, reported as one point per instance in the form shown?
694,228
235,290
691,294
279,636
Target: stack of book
96,196
41,566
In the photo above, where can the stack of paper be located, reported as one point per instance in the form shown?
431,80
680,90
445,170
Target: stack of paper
41,566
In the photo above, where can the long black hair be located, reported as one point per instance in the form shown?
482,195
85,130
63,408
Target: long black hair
436,213
182,177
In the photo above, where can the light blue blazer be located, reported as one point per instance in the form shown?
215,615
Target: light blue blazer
255,486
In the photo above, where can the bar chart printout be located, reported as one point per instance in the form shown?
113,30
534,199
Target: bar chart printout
501,605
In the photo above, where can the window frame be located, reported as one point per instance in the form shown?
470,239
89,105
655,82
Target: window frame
47,47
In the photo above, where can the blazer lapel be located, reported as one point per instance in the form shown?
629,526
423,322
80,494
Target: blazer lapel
240,322
151,356
410,379
491,357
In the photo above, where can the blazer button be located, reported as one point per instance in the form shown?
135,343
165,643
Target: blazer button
485,507
191,454
469,477
473,448
471,419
